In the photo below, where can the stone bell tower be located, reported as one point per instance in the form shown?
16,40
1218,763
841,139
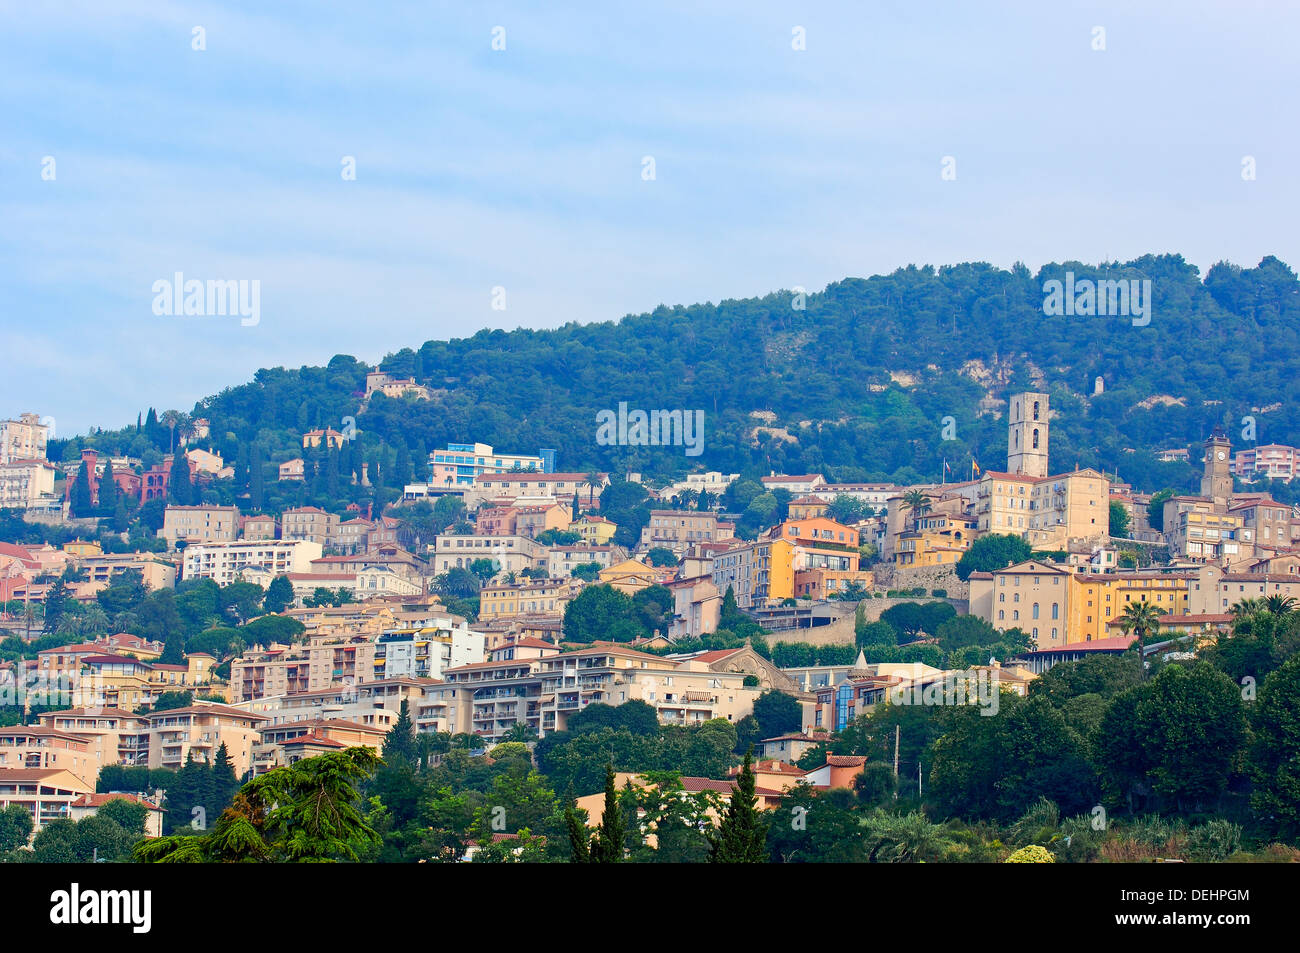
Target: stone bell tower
1027,435
1216,481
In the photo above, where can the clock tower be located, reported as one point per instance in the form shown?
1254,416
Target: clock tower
1216,482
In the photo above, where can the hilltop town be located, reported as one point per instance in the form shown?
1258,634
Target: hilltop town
504,609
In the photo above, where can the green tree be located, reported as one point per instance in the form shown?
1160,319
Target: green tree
279,595
992,552
778,713
1275,753
741,837
659,556
305,812
1119,520
607,846
80,502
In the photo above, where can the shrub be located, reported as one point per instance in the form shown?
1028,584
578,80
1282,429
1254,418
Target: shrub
1033,854
1214,841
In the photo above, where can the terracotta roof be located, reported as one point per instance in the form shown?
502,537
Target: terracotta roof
319,741
99,800
846,760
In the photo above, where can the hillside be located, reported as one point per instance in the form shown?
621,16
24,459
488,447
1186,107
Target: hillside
855,385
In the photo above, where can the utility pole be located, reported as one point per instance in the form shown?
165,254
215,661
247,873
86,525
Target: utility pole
918,779
897,732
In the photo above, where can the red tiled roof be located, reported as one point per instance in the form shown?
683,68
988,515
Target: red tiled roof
319,741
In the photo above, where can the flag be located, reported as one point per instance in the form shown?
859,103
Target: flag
974,467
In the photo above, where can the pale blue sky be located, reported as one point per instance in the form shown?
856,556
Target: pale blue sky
522,168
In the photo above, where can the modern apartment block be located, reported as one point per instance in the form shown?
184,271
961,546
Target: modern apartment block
223,562
542,692
1273,461
202,729
426,651
459,463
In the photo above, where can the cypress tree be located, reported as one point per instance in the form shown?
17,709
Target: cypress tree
108,492
741,838
180,490
607,847
256,476
579,839
79,501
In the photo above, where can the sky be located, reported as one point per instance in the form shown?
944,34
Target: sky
792,144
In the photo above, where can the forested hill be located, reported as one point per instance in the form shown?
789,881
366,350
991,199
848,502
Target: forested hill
855,385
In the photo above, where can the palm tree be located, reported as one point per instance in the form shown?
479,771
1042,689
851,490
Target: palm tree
1280,605
174,420
591,482
918,503
1140,618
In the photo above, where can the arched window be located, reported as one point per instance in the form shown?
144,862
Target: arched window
1001,615
1035,438
1035,410
1035,610
1056,610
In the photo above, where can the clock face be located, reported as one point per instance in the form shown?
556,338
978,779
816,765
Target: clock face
1220,454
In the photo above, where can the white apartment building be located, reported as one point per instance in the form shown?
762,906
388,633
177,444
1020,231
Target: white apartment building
223,562
512,553
26,483
23,439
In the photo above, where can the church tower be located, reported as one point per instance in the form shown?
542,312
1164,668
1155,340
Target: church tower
1027,435
1216,481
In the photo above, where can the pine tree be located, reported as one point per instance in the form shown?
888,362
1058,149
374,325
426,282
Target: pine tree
279,595
577,507
173,649
80,504
399,743
224,781
108,492
56,604
741,838
607,846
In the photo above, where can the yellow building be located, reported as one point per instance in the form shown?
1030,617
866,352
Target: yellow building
940,539
594,529
1057,607
79,548
550,597
631,576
